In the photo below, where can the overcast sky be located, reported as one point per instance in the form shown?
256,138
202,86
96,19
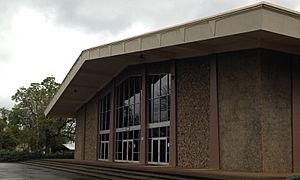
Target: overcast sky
40,38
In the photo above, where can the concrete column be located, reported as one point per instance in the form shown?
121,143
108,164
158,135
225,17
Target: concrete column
111,145
173,118
80,133
296,115
84,133
214,150
144,118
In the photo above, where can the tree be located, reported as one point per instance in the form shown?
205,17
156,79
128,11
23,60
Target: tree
8,139
39,132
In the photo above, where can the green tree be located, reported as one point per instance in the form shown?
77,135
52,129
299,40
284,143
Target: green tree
39,132
8,138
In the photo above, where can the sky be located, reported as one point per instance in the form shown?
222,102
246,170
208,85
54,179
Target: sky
41,38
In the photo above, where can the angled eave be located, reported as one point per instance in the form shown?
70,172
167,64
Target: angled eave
258,26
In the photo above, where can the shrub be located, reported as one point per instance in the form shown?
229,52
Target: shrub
294,177
14,156
59,155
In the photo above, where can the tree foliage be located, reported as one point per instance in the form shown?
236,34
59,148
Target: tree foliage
7,137
32,130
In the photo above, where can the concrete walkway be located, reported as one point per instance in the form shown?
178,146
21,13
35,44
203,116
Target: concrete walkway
15,171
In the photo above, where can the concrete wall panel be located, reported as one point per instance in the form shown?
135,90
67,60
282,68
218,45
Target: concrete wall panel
254,90
198,32
150,41
296,114
132,45
193,112
91,129
248,21
171,37
239,111
117,48
79,137
276,112
94,53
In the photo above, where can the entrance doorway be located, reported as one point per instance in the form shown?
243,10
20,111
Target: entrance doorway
127,150
159,150
103,150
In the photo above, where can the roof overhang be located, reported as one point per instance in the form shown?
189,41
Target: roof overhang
259,26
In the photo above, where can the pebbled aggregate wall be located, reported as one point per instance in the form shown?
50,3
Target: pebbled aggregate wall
79,134
193,78
91,129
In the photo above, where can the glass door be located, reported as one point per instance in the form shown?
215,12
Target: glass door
103,150
127,150
163,150
159,151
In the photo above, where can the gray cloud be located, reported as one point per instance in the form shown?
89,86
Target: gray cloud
111,17
4,55
6,102
98,16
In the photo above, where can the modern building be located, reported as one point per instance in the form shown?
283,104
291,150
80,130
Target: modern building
220,93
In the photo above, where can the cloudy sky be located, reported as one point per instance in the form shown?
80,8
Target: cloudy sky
40,38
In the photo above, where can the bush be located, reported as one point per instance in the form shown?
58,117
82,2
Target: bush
294,177
59,155
14,156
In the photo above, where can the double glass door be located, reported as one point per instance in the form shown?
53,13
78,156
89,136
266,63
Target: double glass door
127,150
103,150
159,150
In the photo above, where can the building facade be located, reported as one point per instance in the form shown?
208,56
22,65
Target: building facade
218,93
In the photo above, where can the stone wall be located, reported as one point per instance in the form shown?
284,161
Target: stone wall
79,136
193,112
91,129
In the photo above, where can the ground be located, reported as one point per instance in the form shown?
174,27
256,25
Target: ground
16,171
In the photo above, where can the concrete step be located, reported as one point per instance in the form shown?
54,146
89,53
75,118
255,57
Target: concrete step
162,172
101,176
109,171
94,172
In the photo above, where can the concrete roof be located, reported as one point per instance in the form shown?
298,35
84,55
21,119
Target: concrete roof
261,25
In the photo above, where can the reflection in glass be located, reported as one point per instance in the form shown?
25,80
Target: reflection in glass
128,117
137,115
156,83
137,87
103,127
156,110
159,111
164,85
159,101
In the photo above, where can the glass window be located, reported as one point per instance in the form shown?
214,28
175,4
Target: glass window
159,114
128,120
159,100
104,119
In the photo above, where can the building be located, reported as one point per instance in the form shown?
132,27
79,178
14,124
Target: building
221,92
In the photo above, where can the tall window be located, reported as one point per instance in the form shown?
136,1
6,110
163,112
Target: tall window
104,127
128,120
159,118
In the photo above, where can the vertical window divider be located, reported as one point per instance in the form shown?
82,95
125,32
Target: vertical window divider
144,116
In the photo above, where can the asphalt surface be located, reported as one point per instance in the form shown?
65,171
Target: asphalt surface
15,171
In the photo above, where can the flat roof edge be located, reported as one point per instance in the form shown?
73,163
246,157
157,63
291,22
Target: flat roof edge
87,54
240,10
64,84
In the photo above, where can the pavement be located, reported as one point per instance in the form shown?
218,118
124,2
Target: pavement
15,171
